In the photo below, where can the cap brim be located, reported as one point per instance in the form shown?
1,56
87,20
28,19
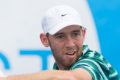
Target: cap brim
61,26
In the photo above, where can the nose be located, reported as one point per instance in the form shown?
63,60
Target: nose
69,42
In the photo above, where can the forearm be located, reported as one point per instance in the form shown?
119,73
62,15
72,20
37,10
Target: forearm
34,76
45,75
22,77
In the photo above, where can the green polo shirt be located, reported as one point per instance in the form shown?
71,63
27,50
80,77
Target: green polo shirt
95,64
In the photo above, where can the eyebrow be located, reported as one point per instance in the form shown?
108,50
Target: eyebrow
76,31
58,34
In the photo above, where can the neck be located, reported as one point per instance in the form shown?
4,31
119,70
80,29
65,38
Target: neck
61,67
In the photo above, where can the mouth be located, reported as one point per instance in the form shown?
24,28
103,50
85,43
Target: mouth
71,53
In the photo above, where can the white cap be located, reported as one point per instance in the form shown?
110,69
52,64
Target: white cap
58,17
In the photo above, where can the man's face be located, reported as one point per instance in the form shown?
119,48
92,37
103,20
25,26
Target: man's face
67,45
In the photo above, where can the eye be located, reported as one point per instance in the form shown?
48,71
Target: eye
76,34
59,36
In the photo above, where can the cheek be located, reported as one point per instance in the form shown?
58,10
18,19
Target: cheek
57,47
57,52
79,43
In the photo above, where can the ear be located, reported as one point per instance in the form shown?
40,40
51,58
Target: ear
83,32
44,40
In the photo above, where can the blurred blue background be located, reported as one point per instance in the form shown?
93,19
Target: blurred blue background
106,15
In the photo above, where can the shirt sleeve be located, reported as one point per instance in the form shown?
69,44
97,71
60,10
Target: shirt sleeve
94,68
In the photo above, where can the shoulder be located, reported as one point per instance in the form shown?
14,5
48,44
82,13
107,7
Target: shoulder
96,65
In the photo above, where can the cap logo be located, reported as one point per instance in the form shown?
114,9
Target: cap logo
63,15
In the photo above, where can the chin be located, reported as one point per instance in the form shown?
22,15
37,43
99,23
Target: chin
70,63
